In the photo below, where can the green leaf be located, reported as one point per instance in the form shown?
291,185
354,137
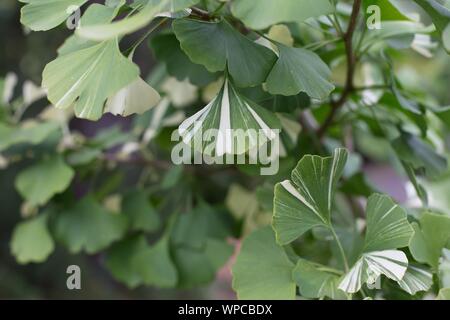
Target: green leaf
133,262
391,263
85,79
230,124
167,49
299,70
306,201
387,225
430,238
218,46
95,14
43,15
416,279
40,182
88,227
31,240
155,265
269,12
109,31
317,282
199,247
141,214
199,266
120,260
419,154
31,133
388,10
263,271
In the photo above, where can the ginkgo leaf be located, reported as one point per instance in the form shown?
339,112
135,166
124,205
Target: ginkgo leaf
31,241
218,46
316,281
306,201
155,265
88,227
136,98
299,70
95,14
391,263
53,173
416,279
148,11
387,225
43,15
85,78
263,270
141,214
167,49
230,124
387,230
269,12
430,238
133,262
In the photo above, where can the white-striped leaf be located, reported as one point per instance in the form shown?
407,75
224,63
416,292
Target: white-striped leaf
108,31
416,279
229,124
391,263
43,15
306,201
138,97
87,77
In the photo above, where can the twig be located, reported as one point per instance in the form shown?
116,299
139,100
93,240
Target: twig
351,66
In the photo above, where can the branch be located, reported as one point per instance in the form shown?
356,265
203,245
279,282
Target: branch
351,65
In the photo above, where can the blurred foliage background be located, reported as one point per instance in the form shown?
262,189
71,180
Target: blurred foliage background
27,54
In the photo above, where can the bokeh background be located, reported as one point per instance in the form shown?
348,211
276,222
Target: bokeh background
26,54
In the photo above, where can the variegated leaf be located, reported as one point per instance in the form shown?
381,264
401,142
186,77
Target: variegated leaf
416,279
306,201
229,124
391,263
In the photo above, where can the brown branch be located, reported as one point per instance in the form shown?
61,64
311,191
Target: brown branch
351,66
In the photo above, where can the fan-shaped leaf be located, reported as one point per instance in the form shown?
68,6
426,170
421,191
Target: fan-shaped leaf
306,201
430,238
85,79
40,182
218,46
299,70
230,124
31,240
88,227
391,263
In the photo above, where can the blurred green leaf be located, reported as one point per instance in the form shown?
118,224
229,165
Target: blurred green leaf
40,182
31,240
